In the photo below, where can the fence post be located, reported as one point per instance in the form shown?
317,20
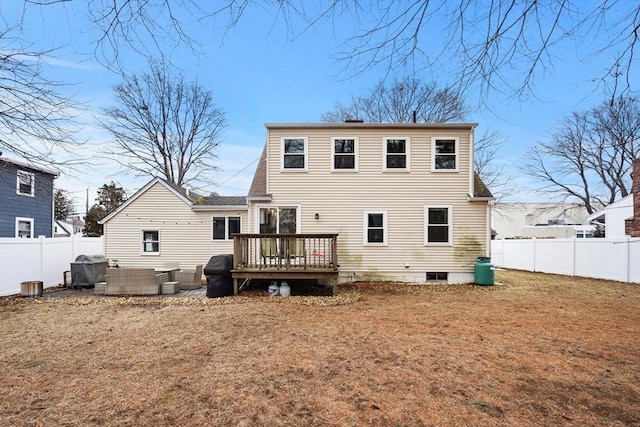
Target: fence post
627,261
573,255
41,241
73,246
533,243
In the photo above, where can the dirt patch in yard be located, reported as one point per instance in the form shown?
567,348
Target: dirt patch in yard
537,350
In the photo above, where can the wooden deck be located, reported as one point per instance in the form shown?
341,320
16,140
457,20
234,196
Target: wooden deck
284,256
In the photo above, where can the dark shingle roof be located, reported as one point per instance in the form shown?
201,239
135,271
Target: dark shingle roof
479,188
259,183
223,201
198,199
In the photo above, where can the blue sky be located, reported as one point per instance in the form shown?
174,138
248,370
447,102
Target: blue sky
261,72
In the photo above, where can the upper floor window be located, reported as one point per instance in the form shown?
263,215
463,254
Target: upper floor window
375,228
344,154
26,183
225,226
24,228
444,154
396,154
150,242
438,227
294,154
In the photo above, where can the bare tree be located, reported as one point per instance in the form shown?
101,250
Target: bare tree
490,168
402,101
500,45
164,126
407,100
36,120
589,154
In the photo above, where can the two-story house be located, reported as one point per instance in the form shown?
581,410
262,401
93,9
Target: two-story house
345,201
26,199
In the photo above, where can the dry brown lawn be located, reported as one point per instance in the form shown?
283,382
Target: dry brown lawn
541,350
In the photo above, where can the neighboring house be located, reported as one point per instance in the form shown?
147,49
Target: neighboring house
613,217
26,199
359,201
68,227
622,218
518,220
162,223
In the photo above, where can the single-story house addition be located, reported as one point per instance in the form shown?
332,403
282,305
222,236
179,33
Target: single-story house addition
162,223
337,201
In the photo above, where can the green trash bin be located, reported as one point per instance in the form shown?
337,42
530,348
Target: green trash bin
484,271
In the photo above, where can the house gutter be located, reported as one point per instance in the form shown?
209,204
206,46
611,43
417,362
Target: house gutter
265,198
479,199
205,208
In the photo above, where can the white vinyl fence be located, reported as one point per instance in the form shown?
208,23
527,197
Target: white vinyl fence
613,259
42,259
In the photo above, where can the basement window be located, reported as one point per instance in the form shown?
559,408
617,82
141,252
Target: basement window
437,276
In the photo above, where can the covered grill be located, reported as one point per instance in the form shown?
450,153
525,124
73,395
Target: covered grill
218,273
87,270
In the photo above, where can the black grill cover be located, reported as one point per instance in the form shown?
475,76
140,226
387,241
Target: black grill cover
219,286
219,264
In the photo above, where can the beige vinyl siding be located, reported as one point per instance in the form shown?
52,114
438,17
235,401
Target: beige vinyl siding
340,198
185,235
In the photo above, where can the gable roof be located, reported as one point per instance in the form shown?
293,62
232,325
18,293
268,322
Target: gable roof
29,165
601,214
65,227
197,202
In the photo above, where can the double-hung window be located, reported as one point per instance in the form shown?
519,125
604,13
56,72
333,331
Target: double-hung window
344,152
294,154
375,228
396,154
151,242
26,183
24,228
444,154
225,226
438,227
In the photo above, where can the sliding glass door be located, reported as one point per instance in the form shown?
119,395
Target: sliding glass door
280,220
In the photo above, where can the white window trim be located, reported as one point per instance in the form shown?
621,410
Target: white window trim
142,251
23,219
407,153
356,143
365,228
306,154
226,227
433,154
298,209
33,183
449,223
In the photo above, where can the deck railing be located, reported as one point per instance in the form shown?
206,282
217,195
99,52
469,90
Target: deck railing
285,252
